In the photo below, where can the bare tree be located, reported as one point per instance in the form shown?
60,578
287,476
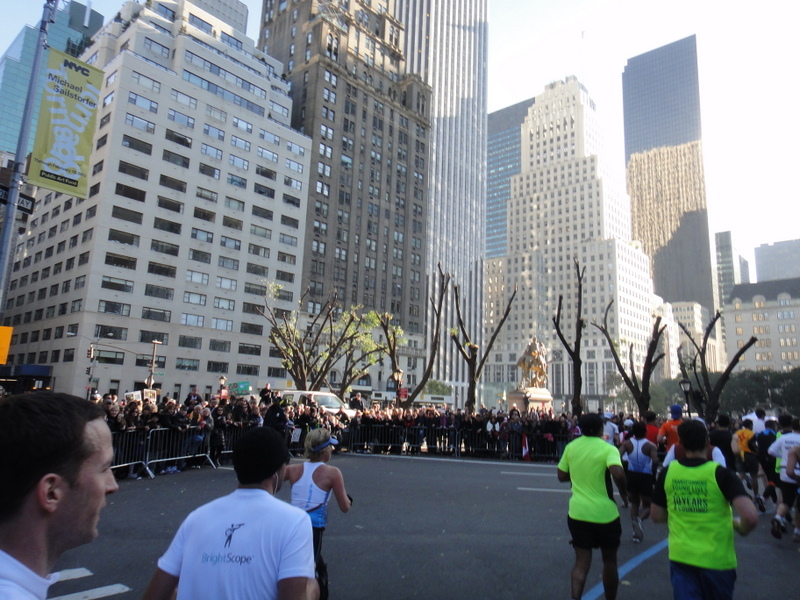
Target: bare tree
640,390
470,351
707,404
574,351
392,351
394,339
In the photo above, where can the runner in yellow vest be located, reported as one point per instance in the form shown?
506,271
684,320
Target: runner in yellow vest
694,496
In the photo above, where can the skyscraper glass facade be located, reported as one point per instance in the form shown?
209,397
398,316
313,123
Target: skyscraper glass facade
661,94
69,33
503,159
446,43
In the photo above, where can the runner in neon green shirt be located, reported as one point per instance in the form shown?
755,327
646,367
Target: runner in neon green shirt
590,463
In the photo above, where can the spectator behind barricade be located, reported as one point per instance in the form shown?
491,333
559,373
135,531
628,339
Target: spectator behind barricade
265,394
203,426
193,398
171,419
114,418
254,418
355,402
221,420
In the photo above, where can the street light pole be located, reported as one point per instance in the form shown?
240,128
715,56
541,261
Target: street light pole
9,217
686,387
151,377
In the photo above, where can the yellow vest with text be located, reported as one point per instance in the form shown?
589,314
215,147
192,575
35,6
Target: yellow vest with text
700,518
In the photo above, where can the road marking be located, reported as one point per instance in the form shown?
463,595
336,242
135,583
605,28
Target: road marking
101,592
527,489
69,574
526,474
629,566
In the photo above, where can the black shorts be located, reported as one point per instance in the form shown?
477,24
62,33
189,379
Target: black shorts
640,483
789,491
595,535
749,465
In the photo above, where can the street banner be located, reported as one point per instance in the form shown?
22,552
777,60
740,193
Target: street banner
63,144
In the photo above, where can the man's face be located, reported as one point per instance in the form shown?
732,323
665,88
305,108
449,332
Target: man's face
79,512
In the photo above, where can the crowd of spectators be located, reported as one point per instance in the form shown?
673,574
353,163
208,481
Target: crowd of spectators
515,434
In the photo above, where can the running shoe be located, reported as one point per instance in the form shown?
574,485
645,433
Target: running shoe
760,504
776,527
638,531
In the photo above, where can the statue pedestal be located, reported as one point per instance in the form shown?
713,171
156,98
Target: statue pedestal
538,398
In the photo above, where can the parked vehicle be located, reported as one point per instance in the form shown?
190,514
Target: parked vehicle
329,400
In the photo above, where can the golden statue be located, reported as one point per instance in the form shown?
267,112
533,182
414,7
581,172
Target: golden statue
534,365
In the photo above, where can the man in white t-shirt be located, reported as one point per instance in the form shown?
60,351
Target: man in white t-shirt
247,544
610,429
55,469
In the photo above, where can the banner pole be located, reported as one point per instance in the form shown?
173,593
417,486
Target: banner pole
9,218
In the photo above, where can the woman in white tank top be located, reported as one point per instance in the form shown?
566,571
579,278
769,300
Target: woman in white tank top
312,484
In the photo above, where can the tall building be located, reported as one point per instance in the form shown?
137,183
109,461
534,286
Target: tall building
446,43
566,205
732,267
780,260
503,159
770,311
196,201
666,183
70,32
369,121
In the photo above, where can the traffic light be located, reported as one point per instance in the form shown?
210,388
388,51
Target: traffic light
90,352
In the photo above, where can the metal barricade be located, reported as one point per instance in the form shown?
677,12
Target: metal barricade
130,449
170,448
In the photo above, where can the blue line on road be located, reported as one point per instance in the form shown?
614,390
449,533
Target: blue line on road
629,566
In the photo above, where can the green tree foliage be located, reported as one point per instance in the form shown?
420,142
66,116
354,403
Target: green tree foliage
774,391
434,387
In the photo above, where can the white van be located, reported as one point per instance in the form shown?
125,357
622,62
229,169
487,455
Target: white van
329,400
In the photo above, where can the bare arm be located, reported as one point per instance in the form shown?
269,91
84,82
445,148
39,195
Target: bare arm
652,452
658,513
337,485
563,476
298,588
748,516
791,464
162,586
625,447
618,474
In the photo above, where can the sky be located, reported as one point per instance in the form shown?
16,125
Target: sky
747,53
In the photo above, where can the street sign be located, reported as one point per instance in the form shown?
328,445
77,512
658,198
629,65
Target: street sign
24,203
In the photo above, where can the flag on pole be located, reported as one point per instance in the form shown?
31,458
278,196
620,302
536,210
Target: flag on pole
526,453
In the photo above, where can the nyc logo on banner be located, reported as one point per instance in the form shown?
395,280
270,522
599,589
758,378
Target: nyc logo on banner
63,145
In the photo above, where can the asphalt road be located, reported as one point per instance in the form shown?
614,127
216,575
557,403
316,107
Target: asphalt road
419,528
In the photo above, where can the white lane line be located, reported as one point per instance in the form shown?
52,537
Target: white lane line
555,491
101,592
526,474
68,574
